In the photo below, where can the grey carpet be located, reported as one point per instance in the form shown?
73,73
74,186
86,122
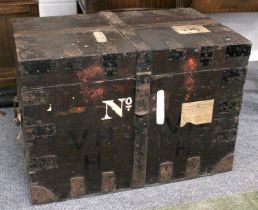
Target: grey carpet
244,177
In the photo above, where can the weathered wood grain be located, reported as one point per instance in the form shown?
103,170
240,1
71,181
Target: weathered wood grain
88,99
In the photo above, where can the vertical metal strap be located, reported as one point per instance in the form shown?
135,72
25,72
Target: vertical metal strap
142,97
141,124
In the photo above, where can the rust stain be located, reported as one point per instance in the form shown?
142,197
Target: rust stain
73,110
78,109
190,65
92,94
189,86
189,83
94,71
96,93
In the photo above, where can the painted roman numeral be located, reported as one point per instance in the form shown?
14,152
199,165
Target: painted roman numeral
160,109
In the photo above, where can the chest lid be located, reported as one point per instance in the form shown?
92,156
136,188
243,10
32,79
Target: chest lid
108,45
182,40
72,49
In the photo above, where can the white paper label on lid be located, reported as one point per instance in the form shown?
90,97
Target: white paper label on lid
100,37
197,113
190,29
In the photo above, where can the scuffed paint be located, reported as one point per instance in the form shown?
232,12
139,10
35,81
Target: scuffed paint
78,109
91,73
189,83
92,94
73,110
189,86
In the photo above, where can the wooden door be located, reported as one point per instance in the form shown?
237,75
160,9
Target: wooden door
98,5
8,10
225,5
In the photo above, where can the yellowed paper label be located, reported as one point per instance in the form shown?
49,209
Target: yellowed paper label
100,37
190,29
197,113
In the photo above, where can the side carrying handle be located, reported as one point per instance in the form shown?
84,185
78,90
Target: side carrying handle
17,115
17,112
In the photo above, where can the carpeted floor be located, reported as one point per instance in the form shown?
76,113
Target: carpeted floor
245,201
244,177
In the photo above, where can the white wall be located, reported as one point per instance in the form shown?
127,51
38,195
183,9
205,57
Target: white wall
243,23
57,7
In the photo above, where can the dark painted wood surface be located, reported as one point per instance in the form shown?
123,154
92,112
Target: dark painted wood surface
88,100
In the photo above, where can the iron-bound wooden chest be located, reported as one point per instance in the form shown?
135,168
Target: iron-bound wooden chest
111,101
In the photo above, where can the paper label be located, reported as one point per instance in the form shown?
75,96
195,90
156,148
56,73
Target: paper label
100,37
197,113
190,29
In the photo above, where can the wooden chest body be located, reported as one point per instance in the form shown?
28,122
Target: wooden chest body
88,89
